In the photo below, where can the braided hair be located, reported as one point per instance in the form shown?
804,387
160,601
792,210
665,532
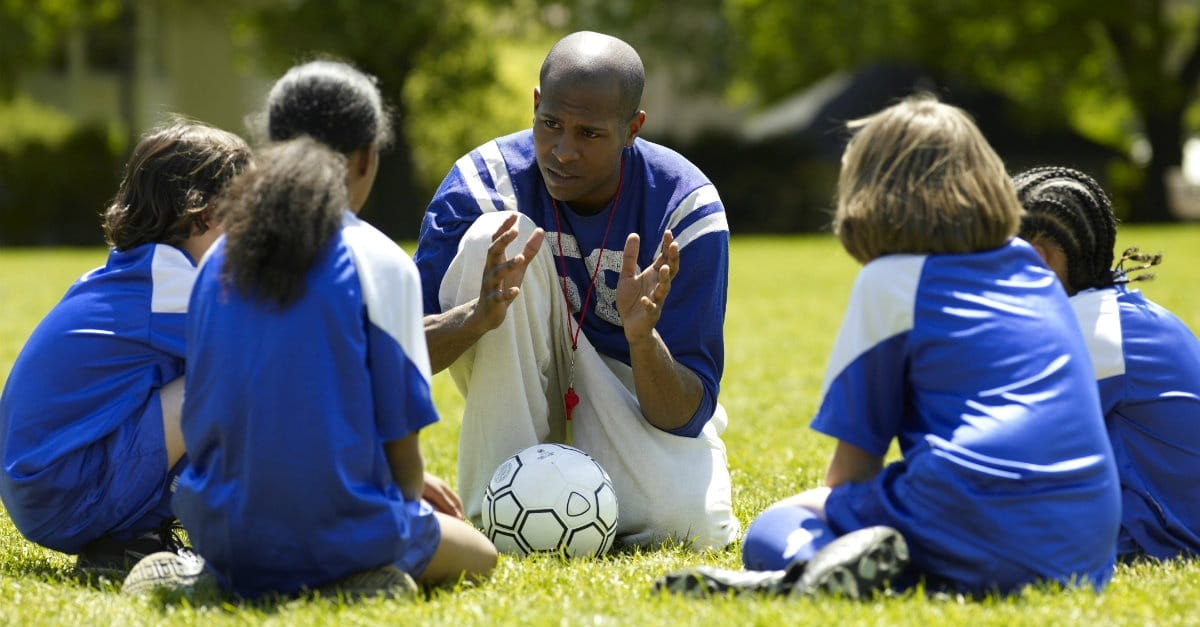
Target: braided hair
1071,209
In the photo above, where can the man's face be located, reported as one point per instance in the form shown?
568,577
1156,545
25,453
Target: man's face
579,132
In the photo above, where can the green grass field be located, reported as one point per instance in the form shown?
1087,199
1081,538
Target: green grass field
786,300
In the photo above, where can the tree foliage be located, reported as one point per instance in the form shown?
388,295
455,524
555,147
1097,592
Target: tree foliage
1113,70
393,40
32,30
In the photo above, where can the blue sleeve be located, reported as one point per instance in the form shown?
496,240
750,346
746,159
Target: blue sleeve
450,213
864,395
694,315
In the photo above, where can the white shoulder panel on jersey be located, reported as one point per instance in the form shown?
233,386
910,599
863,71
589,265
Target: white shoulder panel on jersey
1099,316
173,275
391,288
499,173
882,304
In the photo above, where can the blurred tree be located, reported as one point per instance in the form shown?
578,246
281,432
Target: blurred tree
1115,70
31,31
691,38
394,40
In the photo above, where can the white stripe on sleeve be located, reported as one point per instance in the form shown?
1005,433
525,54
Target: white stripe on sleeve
881,305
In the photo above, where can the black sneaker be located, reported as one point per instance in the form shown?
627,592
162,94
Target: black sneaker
106,557
702,581
855,565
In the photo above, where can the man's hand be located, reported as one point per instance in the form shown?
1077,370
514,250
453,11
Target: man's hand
451,333
640,296
443,499
501,283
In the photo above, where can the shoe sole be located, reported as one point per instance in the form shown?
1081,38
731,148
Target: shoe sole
856,565
163,571
388,582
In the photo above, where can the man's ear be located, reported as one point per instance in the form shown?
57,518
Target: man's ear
634,127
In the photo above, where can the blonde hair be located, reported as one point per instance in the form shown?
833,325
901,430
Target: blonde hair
919,177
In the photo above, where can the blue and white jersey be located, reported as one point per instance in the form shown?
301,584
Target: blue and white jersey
1147,363
660,191
975,365
93,364
287,411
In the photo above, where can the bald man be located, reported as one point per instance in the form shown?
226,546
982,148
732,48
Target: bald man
574,281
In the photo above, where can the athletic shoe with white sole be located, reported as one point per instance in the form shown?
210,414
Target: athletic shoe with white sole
855,565
386,581
702,581
169,573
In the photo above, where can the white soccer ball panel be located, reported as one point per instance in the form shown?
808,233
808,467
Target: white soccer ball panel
543,529
590,540
505,511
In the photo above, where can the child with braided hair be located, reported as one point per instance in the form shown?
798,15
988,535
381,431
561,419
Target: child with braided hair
1146,359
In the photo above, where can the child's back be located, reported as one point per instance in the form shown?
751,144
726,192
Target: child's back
975,365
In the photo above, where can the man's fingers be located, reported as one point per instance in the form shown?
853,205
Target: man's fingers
534,243
630,254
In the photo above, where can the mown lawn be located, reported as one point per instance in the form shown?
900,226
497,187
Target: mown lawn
786,300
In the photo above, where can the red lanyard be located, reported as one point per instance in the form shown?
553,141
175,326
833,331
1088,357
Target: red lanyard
571,399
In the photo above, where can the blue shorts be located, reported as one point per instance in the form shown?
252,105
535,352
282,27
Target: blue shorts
424,536
935,540
118,486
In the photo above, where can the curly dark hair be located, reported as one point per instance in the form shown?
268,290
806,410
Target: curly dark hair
1071,209
330,101
279,216
174,173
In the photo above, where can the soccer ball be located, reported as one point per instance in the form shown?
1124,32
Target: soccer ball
550,497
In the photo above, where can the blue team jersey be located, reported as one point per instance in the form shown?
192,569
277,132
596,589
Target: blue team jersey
286,415
92,366
975,365
1147,362
660,191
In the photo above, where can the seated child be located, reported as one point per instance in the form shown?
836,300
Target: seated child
89,418
307,389
1147,361
958,344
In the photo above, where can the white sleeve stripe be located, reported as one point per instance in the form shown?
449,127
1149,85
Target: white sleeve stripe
701,197
172,275
479,191
384,272
712,223
891,285
499,172
1099,315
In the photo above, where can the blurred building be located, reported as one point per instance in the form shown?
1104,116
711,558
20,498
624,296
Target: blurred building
160,57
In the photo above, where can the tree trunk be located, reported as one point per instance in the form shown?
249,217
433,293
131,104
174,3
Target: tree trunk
400,216
1164,131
